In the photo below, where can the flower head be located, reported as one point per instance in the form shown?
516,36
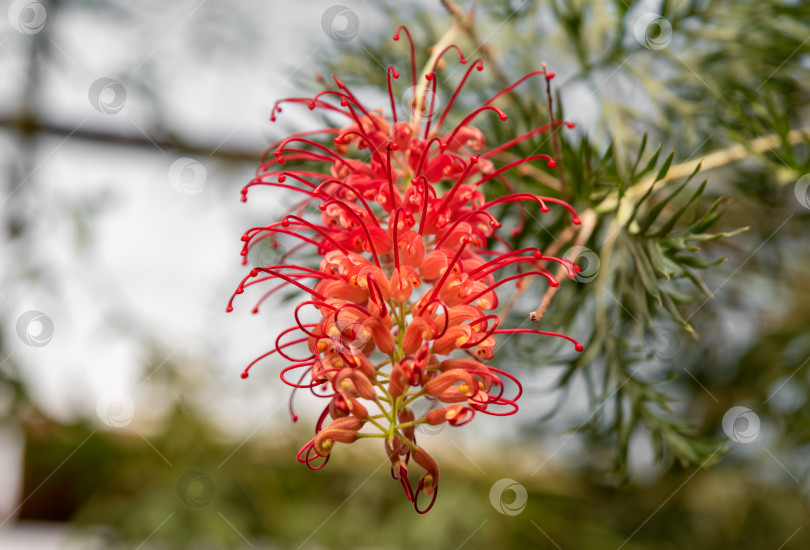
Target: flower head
410,268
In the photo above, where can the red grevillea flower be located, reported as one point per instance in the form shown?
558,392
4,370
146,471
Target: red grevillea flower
407,278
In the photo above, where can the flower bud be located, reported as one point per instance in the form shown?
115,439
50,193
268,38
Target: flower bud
454,414
442,386
342,430
354,382
430,480
397,384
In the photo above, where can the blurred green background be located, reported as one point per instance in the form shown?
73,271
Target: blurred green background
128,129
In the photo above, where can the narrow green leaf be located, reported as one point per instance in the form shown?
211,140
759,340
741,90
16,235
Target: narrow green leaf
656,210
667,227
649,191
645,272
699,283
710,217
656,258
697,263
665,167
650,164
640,153
672,308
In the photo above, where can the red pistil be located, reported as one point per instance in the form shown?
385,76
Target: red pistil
448,270
275,143
362,135
394,231
319,190
425,198
577,345
317,229
360,222
503,116
527,135
254,272
413,56
423,157
461,58
389,72
269,353
518,83
431,77
391,147
304,100
351,97
492,221
477,64
447,196
551,280
503,257
516,198
328,151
